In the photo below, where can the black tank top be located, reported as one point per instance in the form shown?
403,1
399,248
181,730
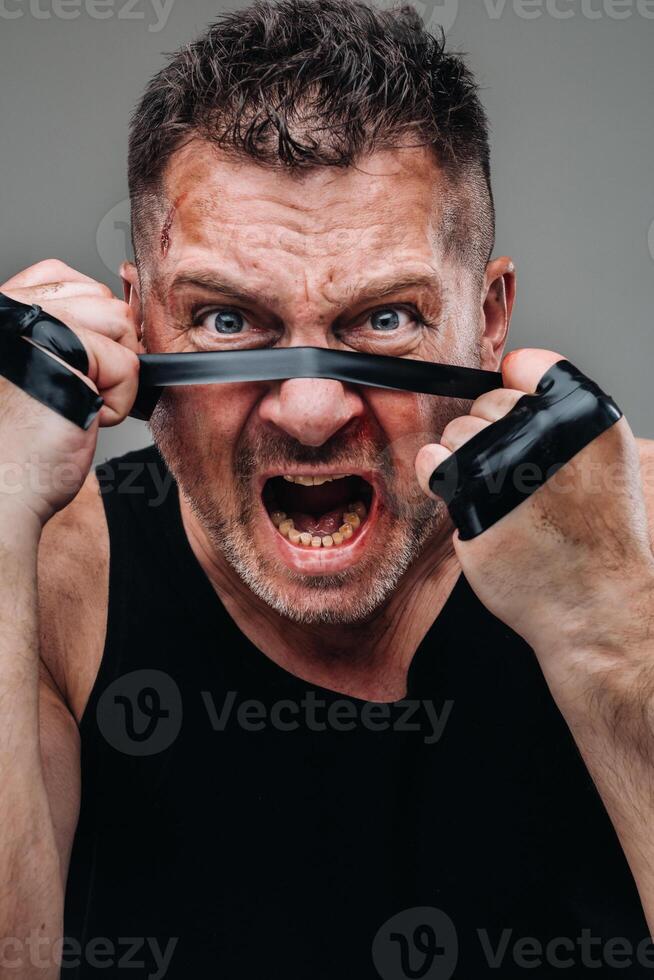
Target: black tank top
239,822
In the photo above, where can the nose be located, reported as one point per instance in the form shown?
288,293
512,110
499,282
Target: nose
311,410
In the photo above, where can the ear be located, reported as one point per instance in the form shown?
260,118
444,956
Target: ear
497,306
131,295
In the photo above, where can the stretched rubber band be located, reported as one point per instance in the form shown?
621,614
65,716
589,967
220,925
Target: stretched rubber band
159,371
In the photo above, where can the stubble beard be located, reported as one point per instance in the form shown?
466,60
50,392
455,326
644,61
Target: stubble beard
409,519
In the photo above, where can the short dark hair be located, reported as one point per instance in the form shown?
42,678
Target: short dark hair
311,83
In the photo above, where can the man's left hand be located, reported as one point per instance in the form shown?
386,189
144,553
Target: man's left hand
571,570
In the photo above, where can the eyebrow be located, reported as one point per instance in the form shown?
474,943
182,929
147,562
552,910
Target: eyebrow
208,280
376,289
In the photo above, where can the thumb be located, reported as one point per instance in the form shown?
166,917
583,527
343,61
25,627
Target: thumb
522,369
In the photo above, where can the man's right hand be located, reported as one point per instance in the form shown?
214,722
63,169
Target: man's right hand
44,458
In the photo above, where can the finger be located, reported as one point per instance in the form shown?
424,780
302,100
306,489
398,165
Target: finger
114,372
428,458
494,405
48,270
457,432
111,318
57,290
522,369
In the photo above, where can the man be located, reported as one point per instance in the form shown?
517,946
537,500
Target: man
270,718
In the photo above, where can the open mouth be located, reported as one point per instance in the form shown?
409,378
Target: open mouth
318,510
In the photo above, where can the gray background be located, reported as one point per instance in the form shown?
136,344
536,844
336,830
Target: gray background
568,85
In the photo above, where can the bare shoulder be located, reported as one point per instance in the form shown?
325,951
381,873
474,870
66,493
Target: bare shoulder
73,590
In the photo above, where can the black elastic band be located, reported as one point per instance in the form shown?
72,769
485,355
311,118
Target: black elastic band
45,330
505,463
158,371
32,370
48,381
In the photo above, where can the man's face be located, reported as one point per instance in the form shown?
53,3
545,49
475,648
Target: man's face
346,259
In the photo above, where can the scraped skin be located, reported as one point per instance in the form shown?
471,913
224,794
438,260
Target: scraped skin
164,237
347,259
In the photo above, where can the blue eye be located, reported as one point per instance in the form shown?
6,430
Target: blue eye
227,321
385,319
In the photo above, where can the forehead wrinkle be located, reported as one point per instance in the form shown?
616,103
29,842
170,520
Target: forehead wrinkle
288,204
296,213
303,210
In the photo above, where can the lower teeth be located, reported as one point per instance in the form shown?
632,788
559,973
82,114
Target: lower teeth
352,519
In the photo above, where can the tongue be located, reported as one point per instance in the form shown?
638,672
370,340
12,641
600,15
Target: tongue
326,523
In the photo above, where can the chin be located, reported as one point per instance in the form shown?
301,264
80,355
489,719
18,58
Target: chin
332,592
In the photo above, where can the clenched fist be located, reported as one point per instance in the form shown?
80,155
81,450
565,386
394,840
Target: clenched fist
44,458
559,567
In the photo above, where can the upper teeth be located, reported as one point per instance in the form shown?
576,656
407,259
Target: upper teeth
314,481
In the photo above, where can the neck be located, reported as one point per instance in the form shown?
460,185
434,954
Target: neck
368,660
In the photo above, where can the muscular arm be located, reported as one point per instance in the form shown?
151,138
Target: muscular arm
618,747
51,630
611,716
31,897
